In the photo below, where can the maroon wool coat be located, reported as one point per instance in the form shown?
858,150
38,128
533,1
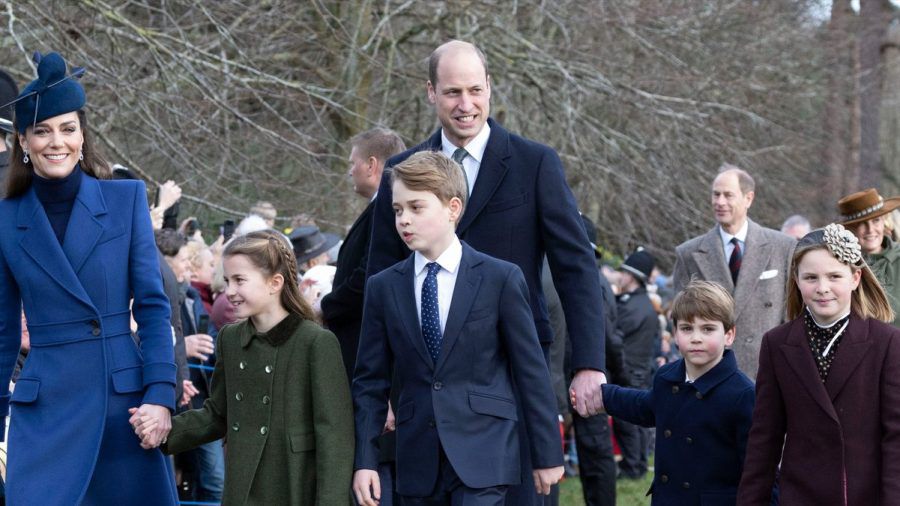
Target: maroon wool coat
841,439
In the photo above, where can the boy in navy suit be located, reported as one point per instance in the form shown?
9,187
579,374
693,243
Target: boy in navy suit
453,329
701,405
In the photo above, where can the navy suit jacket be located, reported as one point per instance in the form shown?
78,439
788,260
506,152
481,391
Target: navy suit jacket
520,209
465,403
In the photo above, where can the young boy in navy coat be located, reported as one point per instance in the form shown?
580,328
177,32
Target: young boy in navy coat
453,329
701,405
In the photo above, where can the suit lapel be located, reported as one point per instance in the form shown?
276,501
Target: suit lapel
405,298
752,265
854,346
84,229
710,258
464,293
799,355
490,173
41,244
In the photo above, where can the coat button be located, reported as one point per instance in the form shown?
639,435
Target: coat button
96,331
675,389
686,485
239,396
689,440
236,427
268,369
263,430
431,423
667,433
664,479
266,399
438,385
242,365
699,395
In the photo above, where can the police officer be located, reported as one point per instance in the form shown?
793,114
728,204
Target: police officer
638,326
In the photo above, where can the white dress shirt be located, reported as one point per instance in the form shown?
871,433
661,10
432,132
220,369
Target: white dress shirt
446,279
475,149
741,237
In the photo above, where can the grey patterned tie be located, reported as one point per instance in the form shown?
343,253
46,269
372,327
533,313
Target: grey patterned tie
458,156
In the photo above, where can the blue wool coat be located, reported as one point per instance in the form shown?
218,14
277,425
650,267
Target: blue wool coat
69,438
701,430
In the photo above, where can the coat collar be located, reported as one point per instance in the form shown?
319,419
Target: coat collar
494,165
704,384
276,336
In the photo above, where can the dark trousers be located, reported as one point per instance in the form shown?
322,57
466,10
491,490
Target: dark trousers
634,442
451,491
596,463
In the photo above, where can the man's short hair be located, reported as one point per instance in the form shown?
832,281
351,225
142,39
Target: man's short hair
435,58
795,220
745,180
169,241
704,299
382,143
432,171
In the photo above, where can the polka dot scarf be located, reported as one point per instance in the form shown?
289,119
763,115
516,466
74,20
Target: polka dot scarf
819,340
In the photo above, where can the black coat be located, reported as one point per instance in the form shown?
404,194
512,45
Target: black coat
342,308
638,327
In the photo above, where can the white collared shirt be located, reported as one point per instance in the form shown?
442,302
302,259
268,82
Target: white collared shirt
475,149
741,237
446,279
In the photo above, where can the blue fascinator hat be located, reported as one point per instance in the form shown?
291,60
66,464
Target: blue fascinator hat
53,92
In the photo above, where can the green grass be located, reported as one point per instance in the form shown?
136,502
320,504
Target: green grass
628,492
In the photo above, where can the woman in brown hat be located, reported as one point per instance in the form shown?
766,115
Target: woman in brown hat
867,214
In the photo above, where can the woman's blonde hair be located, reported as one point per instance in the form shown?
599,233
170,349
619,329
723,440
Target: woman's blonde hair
869,300
270,252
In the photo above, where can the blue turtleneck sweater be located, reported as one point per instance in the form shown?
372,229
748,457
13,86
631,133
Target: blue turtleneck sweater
58,197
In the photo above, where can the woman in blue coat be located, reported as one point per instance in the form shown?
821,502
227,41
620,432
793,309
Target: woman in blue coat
75,249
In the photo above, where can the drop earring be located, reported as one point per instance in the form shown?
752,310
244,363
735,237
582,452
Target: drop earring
81,155
25,158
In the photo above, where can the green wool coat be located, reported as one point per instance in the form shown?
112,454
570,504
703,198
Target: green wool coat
282,402
886,267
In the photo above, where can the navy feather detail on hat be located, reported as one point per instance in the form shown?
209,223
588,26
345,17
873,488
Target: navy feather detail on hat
51,94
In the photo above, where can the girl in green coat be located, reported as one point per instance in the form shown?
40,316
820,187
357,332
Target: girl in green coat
279,393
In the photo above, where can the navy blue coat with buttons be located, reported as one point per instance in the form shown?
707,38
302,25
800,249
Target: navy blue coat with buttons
701,430
69,439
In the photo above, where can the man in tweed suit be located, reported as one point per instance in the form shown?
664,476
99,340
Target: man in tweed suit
755,274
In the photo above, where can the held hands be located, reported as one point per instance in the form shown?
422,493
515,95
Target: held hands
367,487
585,393
545,478
151,423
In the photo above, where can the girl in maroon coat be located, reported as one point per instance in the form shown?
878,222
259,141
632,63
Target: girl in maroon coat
828,387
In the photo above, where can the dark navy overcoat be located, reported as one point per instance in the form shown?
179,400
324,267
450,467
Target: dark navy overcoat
69,437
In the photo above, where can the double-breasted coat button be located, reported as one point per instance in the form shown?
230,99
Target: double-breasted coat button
664,478
689,440
242,365
96,331
266,399
686,485
236,427
238,396
667,433
268,369
438,385
263,430
675,389
699,395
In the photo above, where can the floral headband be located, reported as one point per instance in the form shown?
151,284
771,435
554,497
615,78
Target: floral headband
843,244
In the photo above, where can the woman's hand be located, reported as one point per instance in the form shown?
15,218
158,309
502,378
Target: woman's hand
151,423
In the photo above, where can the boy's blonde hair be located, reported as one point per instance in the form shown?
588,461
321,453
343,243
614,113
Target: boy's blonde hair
432,171
704,299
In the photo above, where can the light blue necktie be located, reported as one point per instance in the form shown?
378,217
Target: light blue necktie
431,316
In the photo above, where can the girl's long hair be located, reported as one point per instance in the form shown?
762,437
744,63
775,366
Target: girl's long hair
869,300
269,252
20,174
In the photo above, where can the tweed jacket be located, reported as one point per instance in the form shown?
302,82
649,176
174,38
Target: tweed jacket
886,267
282,402
759,296
838,441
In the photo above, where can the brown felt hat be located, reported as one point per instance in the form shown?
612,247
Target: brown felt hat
865,205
